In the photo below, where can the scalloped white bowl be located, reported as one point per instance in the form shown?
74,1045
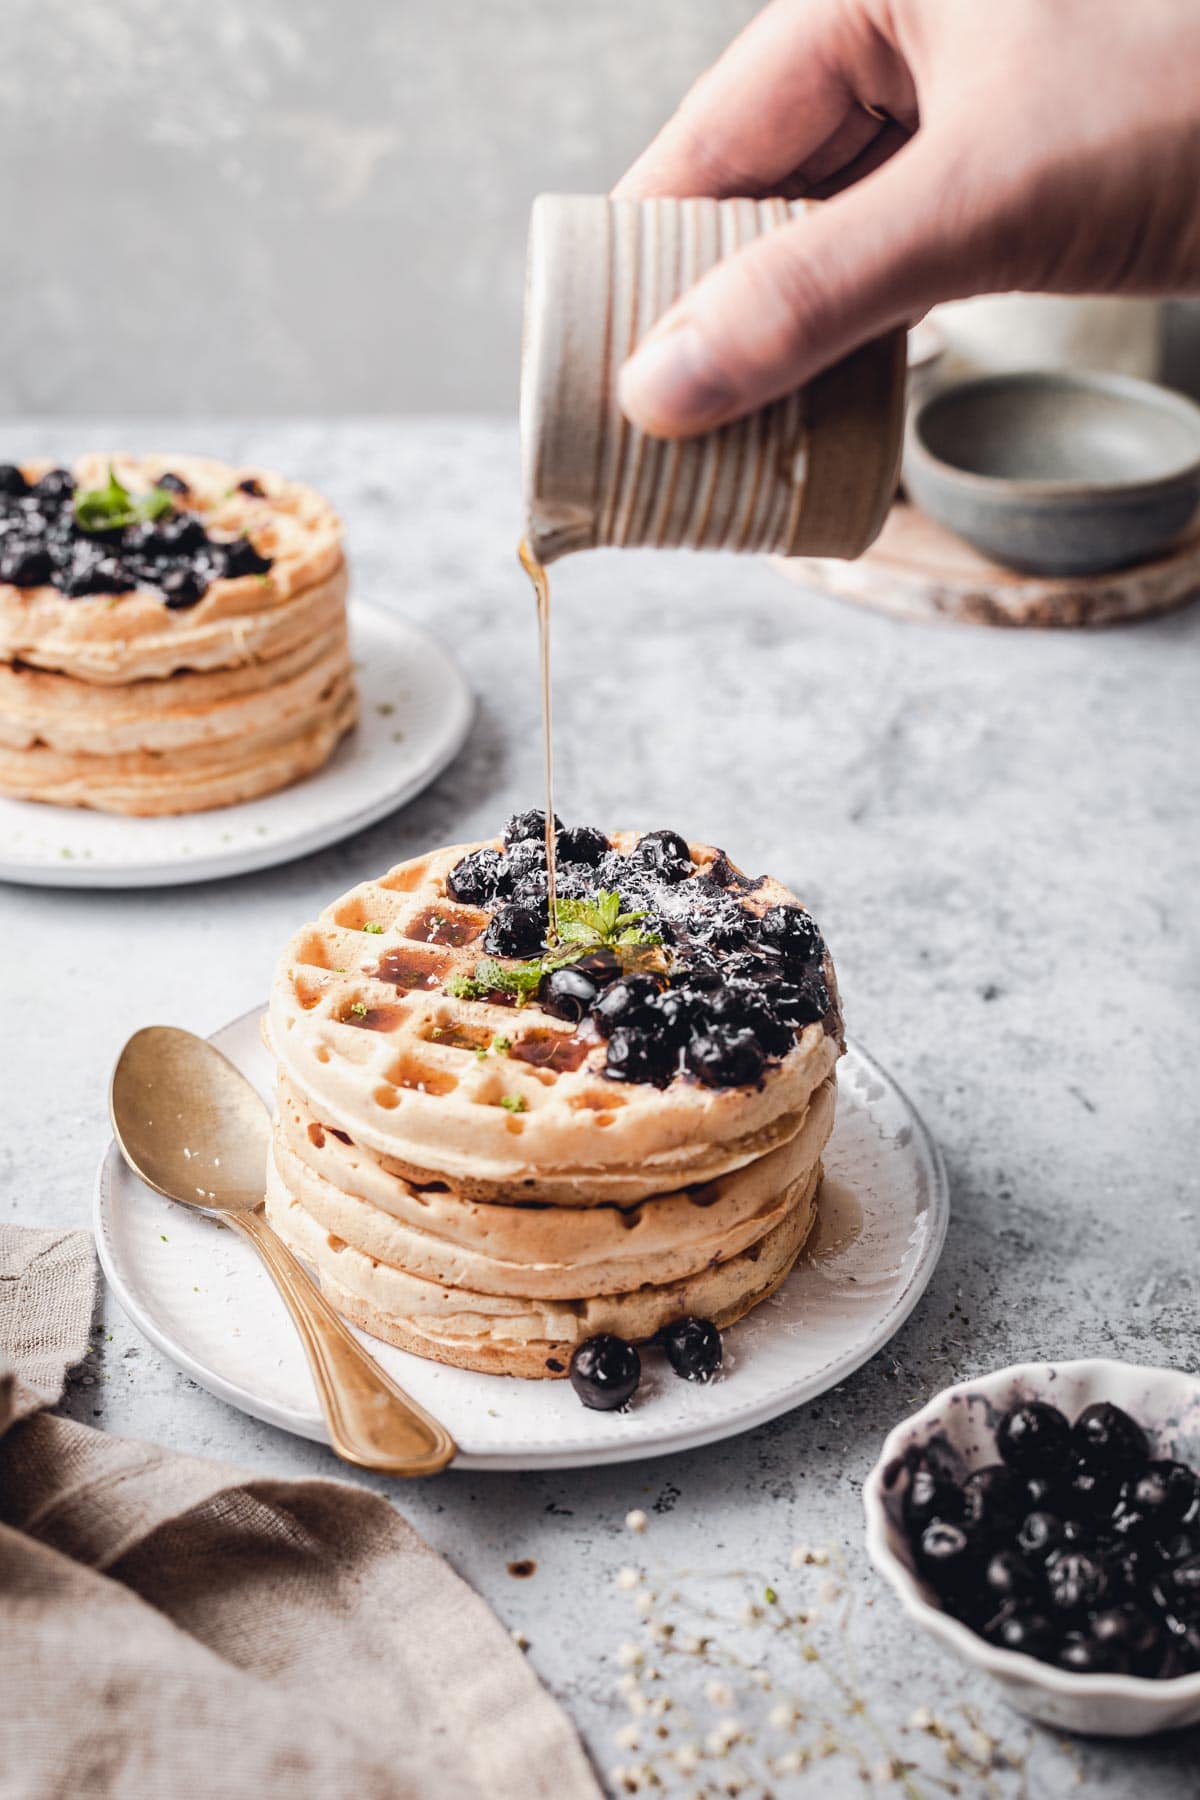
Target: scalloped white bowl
1167,1403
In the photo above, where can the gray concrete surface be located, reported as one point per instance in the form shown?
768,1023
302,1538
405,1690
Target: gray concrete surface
999,835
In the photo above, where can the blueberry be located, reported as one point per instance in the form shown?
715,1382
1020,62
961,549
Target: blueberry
675,1012
241,558
566,993
1029,1632
1035,1439
25,565
723,1058
1181,1584
1076,1582
601,966
949,1558
56,486
605,1372
582,844
743,1008
12,481
693,1348
931,1495
248,485
638,1055
665,854
516,930
1008,1576
182,588
174,484
992,1501
697,969
627,1002
98,574
801,1004
1107,1438
478,877
523,826
180,535
1044,1493
1130,1637
1081,1654
527,858
1040,1534
791,932
1165,1495
1092,1492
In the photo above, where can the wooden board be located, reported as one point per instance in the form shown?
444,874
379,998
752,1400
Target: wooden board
917,570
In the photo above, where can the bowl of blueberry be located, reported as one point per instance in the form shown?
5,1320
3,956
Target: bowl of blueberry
1044,1523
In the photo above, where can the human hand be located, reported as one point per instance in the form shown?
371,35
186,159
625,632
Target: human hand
1046,145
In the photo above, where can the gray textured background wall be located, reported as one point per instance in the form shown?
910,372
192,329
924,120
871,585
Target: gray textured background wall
303,205
299,206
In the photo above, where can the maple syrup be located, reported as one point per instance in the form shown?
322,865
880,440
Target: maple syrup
435,926
552,1050
409,969
460,1037
541,587
373,1018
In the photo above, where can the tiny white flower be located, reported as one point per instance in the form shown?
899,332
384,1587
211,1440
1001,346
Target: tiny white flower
643,1604
820,1557
760,1678
628,1684
719,1693
751,1613
783,1716
687,1758
628,1578
662,1705
790,1763
626,1738
828,1591
980,1745
800,1555
630,1656
660,1632
922,1719
637,1703
886,1771
636,1520
519,1639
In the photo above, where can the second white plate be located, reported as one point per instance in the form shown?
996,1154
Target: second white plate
415,712
199,1293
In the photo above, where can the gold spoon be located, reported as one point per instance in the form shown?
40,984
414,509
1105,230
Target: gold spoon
192,1127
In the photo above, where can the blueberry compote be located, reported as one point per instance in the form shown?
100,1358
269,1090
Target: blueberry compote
671,966
1079,1547
110,541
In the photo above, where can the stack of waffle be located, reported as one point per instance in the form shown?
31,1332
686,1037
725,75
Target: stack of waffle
468,1181
187,660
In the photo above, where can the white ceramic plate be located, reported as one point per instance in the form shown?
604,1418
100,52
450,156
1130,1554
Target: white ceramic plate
416,710
200,1294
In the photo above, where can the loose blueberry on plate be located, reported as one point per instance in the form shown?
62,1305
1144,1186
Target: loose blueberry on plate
516,930
693,1348
566,993
605,1372
1035,1439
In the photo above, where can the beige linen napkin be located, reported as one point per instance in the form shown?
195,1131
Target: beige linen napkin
176,1627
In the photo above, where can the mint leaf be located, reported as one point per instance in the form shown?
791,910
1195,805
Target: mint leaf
112,507
514,1103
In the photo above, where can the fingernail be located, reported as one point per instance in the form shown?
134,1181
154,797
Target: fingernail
672,384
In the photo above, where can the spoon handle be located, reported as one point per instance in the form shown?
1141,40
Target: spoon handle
371,1422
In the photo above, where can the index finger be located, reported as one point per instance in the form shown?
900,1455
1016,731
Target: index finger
782,89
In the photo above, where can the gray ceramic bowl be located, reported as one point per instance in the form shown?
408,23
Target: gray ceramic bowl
1059,474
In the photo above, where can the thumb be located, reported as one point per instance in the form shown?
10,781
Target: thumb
772,315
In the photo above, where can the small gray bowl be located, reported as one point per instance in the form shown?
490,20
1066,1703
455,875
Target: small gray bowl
1056,473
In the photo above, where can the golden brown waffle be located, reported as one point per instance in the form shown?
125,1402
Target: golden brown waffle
119,703
364,1030
501,1335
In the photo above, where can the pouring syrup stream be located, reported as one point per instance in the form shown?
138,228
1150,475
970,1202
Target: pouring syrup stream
541,587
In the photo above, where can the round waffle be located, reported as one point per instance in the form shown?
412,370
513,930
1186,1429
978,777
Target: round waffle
364,1030
537,1251
504,1335
120,702
136,637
